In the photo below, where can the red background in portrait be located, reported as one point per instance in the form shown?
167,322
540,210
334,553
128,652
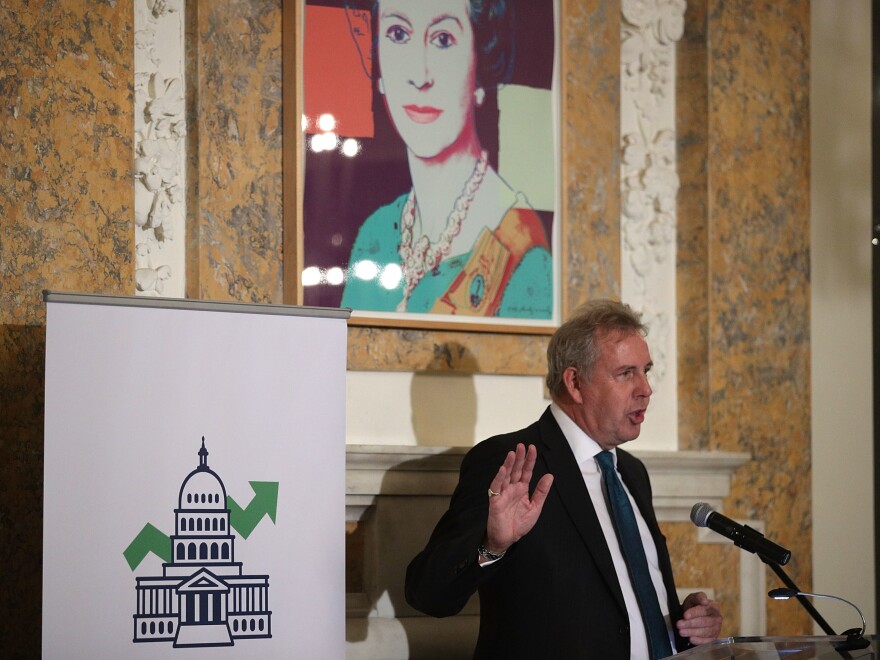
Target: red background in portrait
334,80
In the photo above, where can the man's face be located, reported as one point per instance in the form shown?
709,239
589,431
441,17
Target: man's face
611,404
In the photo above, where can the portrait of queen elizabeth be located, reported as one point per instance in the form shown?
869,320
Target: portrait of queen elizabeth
454,235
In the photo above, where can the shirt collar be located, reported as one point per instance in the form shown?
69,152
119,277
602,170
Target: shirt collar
583,446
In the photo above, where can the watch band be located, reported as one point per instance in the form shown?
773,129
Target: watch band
491,556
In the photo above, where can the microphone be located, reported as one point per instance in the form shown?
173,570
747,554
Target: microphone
703,515
855,639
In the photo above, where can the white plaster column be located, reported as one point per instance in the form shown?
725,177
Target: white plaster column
160,148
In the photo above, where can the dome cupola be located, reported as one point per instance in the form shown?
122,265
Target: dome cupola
202,489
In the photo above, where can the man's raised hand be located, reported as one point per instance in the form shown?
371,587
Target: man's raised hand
512,513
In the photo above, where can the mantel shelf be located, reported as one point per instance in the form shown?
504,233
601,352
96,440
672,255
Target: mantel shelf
679,478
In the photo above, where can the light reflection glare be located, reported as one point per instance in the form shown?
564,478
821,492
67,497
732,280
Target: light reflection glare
323,142
305,123
391,276
366,270
311,276
335,276
327,122
350,147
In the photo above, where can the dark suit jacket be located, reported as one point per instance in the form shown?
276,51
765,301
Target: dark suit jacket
555,593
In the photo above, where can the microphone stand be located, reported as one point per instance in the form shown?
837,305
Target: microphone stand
808,606
854,637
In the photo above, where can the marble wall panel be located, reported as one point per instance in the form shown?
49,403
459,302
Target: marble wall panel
237,121
759,281
66,195
692,259
708,565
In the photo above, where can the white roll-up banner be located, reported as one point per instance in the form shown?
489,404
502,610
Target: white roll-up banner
194,494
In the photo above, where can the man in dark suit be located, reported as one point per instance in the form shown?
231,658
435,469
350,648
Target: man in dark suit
532,527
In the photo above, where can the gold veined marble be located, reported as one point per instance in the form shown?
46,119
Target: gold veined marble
591,151
693,227
65,154
236,251
66,197
712,566
756,364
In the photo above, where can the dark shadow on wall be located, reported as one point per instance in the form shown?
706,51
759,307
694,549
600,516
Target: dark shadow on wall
444,409
444,398
22,385
413,496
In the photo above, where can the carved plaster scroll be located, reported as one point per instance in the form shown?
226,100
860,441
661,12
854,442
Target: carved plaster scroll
649,185
649,182
160,148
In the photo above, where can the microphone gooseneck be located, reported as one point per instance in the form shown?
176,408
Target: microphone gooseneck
785,594
854,636
703,515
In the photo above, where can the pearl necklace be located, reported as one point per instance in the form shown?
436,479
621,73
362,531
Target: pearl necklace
418,260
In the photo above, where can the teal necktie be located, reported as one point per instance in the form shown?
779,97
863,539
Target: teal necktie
634,554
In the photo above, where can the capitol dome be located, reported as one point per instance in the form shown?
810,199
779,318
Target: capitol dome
202,489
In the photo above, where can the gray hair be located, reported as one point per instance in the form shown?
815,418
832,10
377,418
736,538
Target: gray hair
576,342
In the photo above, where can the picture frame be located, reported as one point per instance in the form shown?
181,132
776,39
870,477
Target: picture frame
587,248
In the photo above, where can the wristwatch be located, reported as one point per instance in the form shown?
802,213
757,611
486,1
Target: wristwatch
491,556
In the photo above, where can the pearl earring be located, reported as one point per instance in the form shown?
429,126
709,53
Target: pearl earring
381,84
479,96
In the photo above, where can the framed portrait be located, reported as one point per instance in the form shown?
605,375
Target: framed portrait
430,182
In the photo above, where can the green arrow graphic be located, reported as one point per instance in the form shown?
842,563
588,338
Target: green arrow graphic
148,540
265,502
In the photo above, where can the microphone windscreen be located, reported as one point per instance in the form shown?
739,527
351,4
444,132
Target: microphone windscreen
700,514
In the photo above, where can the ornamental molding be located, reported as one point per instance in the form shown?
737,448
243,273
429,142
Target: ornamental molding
679,479
649,180
159,148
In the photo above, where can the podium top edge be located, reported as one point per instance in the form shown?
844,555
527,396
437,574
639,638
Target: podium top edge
194,305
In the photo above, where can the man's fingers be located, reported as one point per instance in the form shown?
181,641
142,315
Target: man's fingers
529,464
501,477
516,470
542,489
702,622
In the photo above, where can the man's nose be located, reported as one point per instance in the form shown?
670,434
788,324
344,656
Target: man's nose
644,386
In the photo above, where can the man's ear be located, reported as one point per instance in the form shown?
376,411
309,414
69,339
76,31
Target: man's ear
572,380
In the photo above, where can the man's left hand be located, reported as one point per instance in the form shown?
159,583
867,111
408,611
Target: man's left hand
702,619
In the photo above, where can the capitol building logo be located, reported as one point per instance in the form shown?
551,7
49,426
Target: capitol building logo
203,598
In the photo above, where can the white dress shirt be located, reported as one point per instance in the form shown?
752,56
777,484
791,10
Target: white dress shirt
585,450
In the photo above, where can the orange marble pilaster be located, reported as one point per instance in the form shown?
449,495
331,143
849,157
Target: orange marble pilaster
66,197
759,281
238,170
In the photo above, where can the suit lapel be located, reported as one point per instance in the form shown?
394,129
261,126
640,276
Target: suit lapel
572,492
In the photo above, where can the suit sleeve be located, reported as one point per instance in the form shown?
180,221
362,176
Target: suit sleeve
443,576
